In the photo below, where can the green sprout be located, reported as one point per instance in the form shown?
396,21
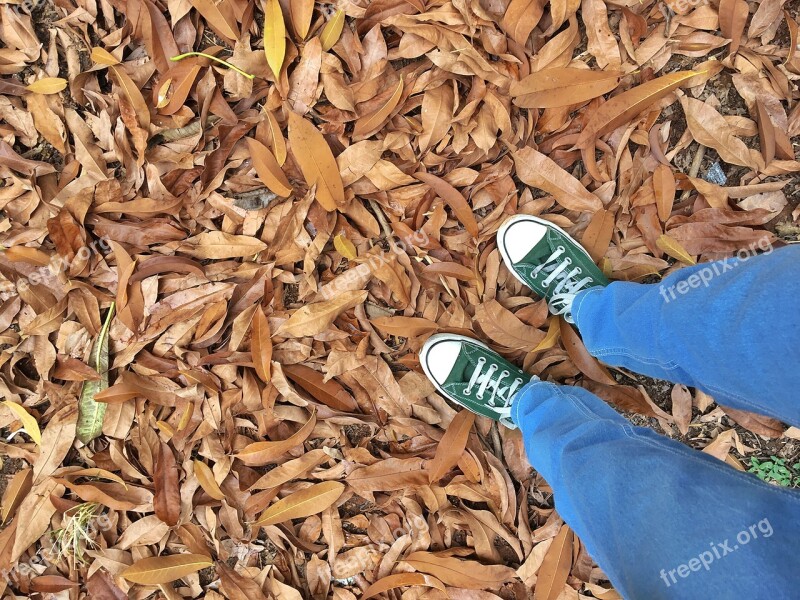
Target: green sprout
214,58
75,537
776,471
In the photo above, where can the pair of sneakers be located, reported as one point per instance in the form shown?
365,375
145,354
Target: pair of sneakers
551,263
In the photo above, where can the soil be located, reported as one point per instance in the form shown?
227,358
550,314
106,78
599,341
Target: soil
11,466
701,433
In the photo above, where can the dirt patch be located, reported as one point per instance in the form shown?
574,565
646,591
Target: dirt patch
11,466
703,432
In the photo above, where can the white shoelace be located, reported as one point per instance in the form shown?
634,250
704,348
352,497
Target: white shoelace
487,379
567,286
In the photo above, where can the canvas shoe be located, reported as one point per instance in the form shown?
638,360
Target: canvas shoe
473,376
546,259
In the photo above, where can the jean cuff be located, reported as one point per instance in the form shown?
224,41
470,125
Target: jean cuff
519,395
577,303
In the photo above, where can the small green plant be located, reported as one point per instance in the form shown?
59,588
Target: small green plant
776,471
72,540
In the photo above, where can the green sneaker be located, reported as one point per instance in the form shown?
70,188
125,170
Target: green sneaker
473,376
546,259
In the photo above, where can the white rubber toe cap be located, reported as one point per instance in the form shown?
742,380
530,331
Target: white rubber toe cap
440,357
520,237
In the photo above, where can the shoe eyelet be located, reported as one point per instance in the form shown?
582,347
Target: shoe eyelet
504,374
479,396
561,248
467,392
568,260
579,271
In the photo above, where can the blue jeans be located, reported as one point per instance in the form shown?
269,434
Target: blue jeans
661,519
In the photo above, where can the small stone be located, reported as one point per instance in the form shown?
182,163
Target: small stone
715,174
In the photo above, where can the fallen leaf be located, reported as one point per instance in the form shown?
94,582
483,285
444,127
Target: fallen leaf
268,169
371,122
159,570
454,199
553,573
262,453
308,501
274,36
332,30
313,319
468,574
261,345
29,423
451,446
315,159
47,85
397,580
562,86
538,170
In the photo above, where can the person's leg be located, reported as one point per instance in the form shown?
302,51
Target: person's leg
730,328
662,520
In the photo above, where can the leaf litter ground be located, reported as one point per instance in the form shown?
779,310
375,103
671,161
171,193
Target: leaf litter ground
276,249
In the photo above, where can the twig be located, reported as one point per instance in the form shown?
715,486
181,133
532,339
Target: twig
379,214
695,168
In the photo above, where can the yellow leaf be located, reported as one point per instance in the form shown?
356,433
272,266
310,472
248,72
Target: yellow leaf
332,31
369,123
276,141
205,476
274,36
674,249
164,569
316,162
29,424
306,502
345,247
553,333
103,57
163,93
47,85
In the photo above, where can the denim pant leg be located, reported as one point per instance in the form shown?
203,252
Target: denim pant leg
730,328
661,519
